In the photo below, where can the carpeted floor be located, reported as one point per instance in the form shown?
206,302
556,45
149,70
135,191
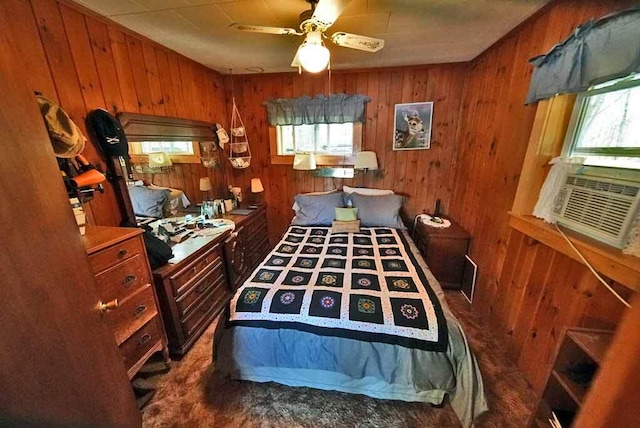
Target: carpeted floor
190,395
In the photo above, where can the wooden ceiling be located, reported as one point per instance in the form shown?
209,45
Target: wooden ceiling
415,32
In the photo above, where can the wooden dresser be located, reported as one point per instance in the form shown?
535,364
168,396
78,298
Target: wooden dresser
128,300
444,251
248,247
194,290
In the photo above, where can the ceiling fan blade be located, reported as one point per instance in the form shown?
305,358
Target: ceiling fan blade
265,30
296,59
356,41
328,11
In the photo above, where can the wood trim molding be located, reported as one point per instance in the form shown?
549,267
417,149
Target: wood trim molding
146,127
607,260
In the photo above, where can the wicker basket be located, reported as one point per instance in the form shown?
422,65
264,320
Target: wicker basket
345,226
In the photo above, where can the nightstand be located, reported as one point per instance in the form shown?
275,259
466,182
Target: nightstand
444,251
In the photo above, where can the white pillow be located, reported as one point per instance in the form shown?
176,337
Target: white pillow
366,191
296,207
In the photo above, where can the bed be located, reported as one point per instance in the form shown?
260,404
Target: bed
353,312
156,201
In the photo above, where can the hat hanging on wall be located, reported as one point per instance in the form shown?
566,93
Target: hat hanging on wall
66,138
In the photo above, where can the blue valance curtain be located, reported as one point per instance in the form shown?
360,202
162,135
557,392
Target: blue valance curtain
596,52
335,108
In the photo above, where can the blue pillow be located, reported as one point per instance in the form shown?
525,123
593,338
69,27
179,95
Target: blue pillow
317,210
148,202
378,211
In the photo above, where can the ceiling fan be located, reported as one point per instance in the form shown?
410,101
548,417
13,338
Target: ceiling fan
312,55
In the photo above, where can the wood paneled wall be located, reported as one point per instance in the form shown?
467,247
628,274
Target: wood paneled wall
84,62
527,290
423,175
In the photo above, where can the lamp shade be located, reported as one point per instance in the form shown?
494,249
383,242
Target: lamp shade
366,160
159,159
304,162
205,184
256,185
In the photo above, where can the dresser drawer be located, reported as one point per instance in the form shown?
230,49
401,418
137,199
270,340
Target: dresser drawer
132,313
192,297
210,303
123,279
179,282
110,256
140,343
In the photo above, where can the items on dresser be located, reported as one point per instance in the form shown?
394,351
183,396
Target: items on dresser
128,300
444,250
198,282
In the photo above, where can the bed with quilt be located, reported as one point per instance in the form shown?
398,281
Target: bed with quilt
353,312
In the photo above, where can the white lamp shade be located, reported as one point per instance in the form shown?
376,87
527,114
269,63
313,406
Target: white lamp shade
256,185
312,54
159,159
366,160
205,184
304,162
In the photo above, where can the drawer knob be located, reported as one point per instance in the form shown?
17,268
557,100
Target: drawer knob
144,340
128,280
194,269
122,253
109,306
141,309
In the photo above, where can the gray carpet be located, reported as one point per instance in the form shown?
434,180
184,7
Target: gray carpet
191,395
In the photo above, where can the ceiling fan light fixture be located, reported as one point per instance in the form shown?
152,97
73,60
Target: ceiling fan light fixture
313,55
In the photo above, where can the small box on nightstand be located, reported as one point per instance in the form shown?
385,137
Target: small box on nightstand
444,251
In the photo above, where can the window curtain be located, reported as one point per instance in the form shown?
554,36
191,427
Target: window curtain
596,52
335,108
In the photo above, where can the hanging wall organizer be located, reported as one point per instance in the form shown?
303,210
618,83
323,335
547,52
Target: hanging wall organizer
239,151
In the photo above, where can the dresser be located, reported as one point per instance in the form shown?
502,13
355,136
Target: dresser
128,299
194,290
248,246
444,251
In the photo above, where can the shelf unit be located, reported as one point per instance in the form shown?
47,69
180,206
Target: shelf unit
576,363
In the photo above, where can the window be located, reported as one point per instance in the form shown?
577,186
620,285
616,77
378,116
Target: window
170,147
606,125
326,139
333,144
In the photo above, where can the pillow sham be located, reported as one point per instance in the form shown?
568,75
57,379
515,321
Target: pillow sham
378,211
296,207
317,210
366,191
346,214
148,202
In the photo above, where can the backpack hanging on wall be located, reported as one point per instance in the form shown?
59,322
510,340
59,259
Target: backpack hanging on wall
239,151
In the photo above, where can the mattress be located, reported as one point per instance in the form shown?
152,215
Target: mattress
387,358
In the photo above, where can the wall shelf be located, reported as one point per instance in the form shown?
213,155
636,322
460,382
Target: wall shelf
575,366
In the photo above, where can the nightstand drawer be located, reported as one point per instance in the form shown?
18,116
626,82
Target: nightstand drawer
132,313
180,279
124,279
110,256
140,343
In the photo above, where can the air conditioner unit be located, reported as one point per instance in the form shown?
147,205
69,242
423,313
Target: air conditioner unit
601,208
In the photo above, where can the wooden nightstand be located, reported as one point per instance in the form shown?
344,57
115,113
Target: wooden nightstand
444,251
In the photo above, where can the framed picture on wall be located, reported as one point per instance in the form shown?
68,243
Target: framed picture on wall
412,130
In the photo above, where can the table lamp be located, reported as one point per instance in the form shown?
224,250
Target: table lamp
205,187
366,161
256,189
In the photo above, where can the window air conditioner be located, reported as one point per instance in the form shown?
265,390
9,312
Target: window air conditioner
601,208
